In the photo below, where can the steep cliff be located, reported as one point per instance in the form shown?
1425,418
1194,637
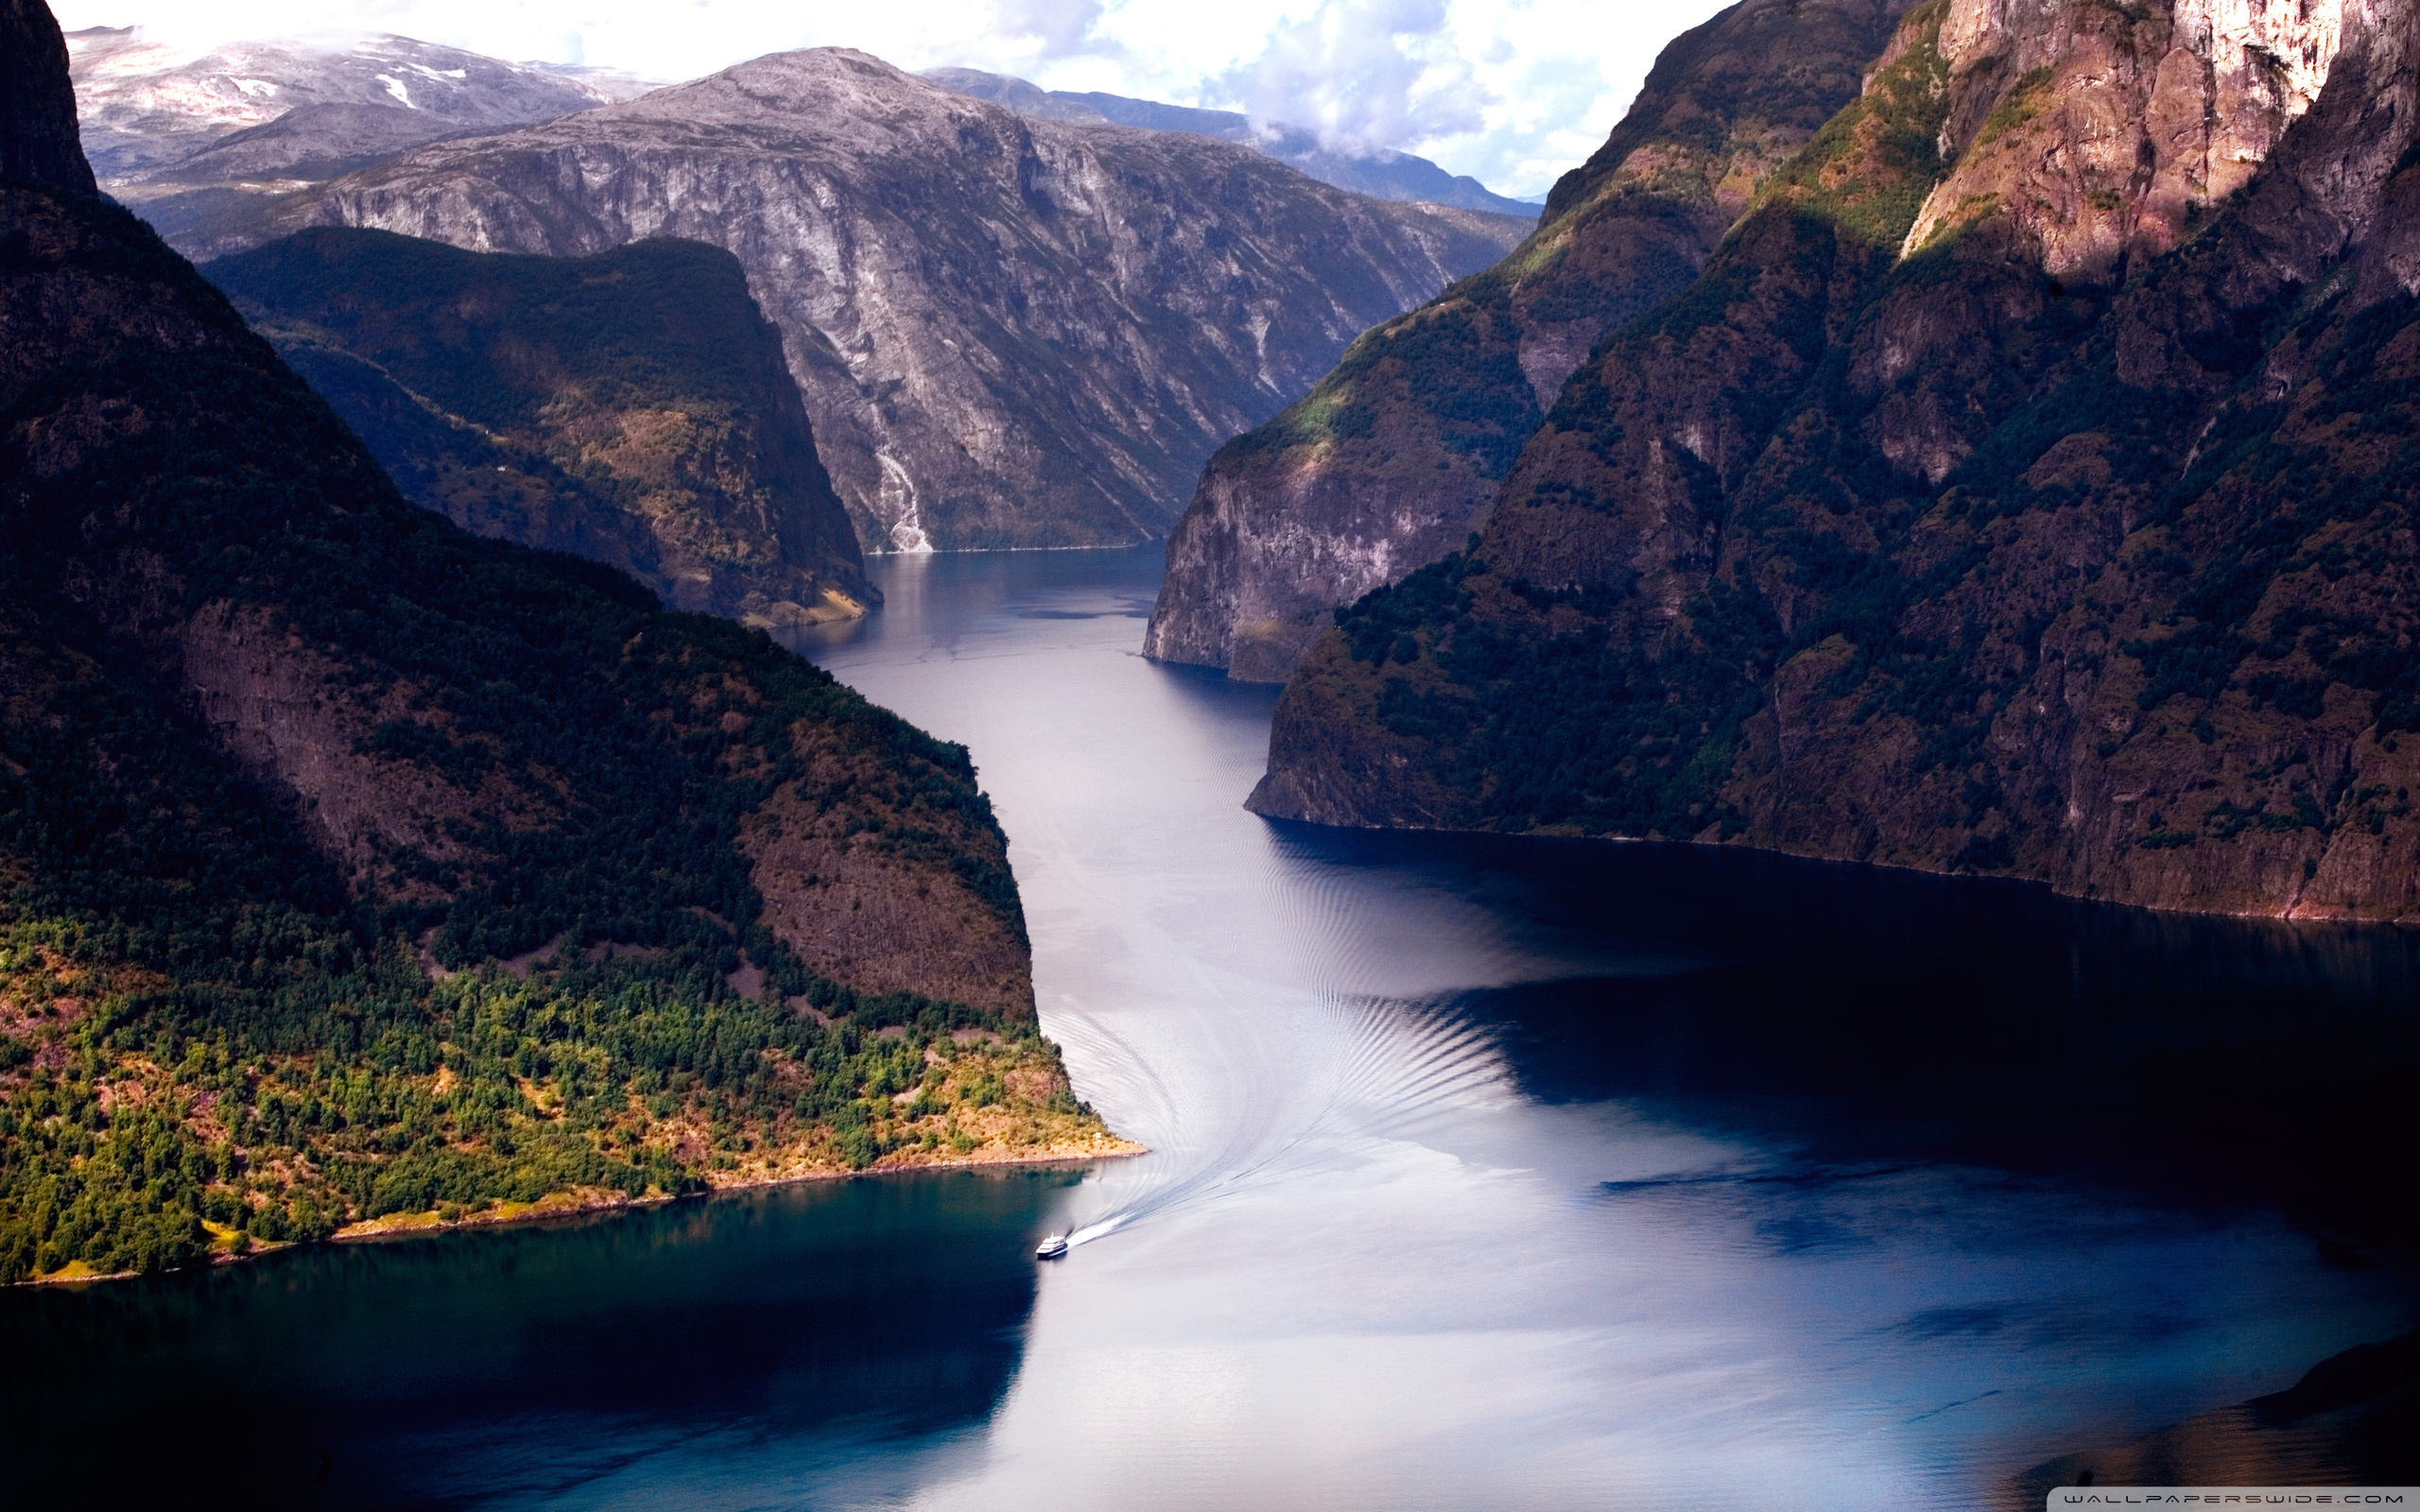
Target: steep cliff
356,868
1392,457
2024,488
1008,331
631,407
1387,175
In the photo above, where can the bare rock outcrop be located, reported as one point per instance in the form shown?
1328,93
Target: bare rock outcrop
2105,140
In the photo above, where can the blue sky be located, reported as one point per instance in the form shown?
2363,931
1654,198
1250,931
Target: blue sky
1513,91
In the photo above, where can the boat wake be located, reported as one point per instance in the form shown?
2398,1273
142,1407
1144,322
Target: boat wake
1355,1071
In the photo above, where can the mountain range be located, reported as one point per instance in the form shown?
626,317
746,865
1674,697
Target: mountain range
189,135
357,872
1008,332
1384,173
2021,487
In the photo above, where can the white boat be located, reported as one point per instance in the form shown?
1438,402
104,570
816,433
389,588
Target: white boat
1051,1248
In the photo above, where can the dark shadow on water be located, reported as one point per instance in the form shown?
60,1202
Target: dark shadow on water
1859,1015
407,1372
1862,1023
1210,690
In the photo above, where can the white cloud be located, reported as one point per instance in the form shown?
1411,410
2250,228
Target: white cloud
1513,91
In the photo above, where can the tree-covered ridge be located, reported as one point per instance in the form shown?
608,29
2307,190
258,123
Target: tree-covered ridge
287,764
152,1121
632,407
1927,555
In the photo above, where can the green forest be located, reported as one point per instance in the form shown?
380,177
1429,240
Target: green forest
138,1137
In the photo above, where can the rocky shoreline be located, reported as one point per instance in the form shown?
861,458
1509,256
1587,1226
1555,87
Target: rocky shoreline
571,1204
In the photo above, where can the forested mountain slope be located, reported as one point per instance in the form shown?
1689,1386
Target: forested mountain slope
631,407
356,867
1008,332
1391,459
2019,490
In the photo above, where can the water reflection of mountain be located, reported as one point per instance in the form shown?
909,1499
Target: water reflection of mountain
530,1364
1860,1014
1866,1026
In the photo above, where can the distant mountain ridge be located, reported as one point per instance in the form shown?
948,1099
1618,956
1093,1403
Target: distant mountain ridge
1387,175
183,136
1008,331
143,105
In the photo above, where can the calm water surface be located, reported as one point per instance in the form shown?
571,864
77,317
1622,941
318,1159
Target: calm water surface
1484,1174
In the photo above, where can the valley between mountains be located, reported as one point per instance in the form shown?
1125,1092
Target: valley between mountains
360,871
1974,438
1969,437
367,874
1008,332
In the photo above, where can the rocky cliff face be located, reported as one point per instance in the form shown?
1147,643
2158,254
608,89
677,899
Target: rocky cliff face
1386,175
631,407
2004,497
1392,457
1008,331
2102,143
356,867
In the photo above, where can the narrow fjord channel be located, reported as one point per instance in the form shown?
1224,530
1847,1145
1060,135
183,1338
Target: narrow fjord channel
1483,1175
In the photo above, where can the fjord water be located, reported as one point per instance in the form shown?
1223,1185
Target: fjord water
1484,1174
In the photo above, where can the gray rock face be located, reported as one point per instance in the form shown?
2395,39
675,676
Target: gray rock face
1008,331
1385,174
309,142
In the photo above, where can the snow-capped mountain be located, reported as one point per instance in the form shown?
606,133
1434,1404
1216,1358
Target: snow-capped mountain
160,117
